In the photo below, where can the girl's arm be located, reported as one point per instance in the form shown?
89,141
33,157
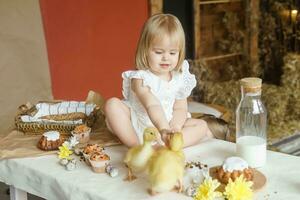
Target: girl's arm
151,104
180,110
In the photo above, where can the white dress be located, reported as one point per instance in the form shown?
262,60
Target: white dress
179,87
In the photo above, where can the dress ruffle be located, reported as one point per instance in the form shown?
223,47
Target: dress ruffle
128,75
188,82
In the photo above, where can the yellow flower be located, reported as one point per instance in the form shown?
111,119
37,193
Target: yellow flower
206,191
64,152
240,189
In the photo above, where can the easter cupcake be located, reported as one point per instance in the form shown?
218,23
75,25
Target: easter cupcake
50,140
89,150
232,168
98,161
82,133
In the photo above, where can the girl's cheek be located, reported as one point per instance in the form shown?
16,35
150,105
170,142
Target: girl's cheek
157,56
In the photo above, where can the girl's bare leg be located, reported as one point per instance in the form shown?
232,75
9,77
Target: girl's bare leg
194,130
118,120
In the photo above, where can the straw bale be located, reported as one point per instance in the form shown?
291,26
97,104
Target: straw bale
226,94
290,80
293,110
202,71
207,76
275,99
282,102
282,129
291,71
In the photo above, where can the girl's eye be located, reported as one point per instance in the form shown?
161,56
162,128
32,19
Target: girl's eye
158,52
173,53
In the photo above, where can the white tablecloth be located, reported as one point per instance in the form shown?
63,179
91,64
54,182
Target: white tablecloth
43,176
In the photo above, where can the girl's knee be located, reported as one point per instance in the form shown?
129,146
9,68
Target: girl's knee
111,104
202,124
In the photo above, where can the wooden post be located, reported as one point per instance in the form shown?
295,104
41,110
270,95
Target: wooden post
253,29
197,26
155,7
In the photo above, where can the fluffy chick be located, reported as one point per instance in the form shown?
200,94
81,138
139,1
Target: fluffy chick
166,166
137,157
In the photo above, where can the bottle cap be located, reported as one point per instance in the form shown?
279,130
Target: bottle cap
251,84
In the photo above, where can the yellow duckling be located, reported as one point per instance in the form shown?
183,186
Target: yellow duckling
137,157
166,166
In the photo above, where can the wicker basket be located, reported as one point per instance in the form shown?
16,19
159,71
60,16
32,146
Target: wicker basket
38,128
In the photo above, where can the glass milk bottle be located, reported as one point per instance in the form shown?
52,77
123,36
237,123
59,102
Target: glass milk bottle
251,124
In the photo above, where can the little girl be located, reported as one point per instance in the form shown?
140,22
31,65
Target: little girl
156,93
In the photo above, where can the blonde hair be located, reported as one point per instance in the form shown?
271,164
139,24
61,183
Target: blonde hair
158,26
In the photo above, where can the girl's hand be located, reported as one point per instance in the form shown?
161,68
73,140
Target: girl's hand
175,129
165,135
